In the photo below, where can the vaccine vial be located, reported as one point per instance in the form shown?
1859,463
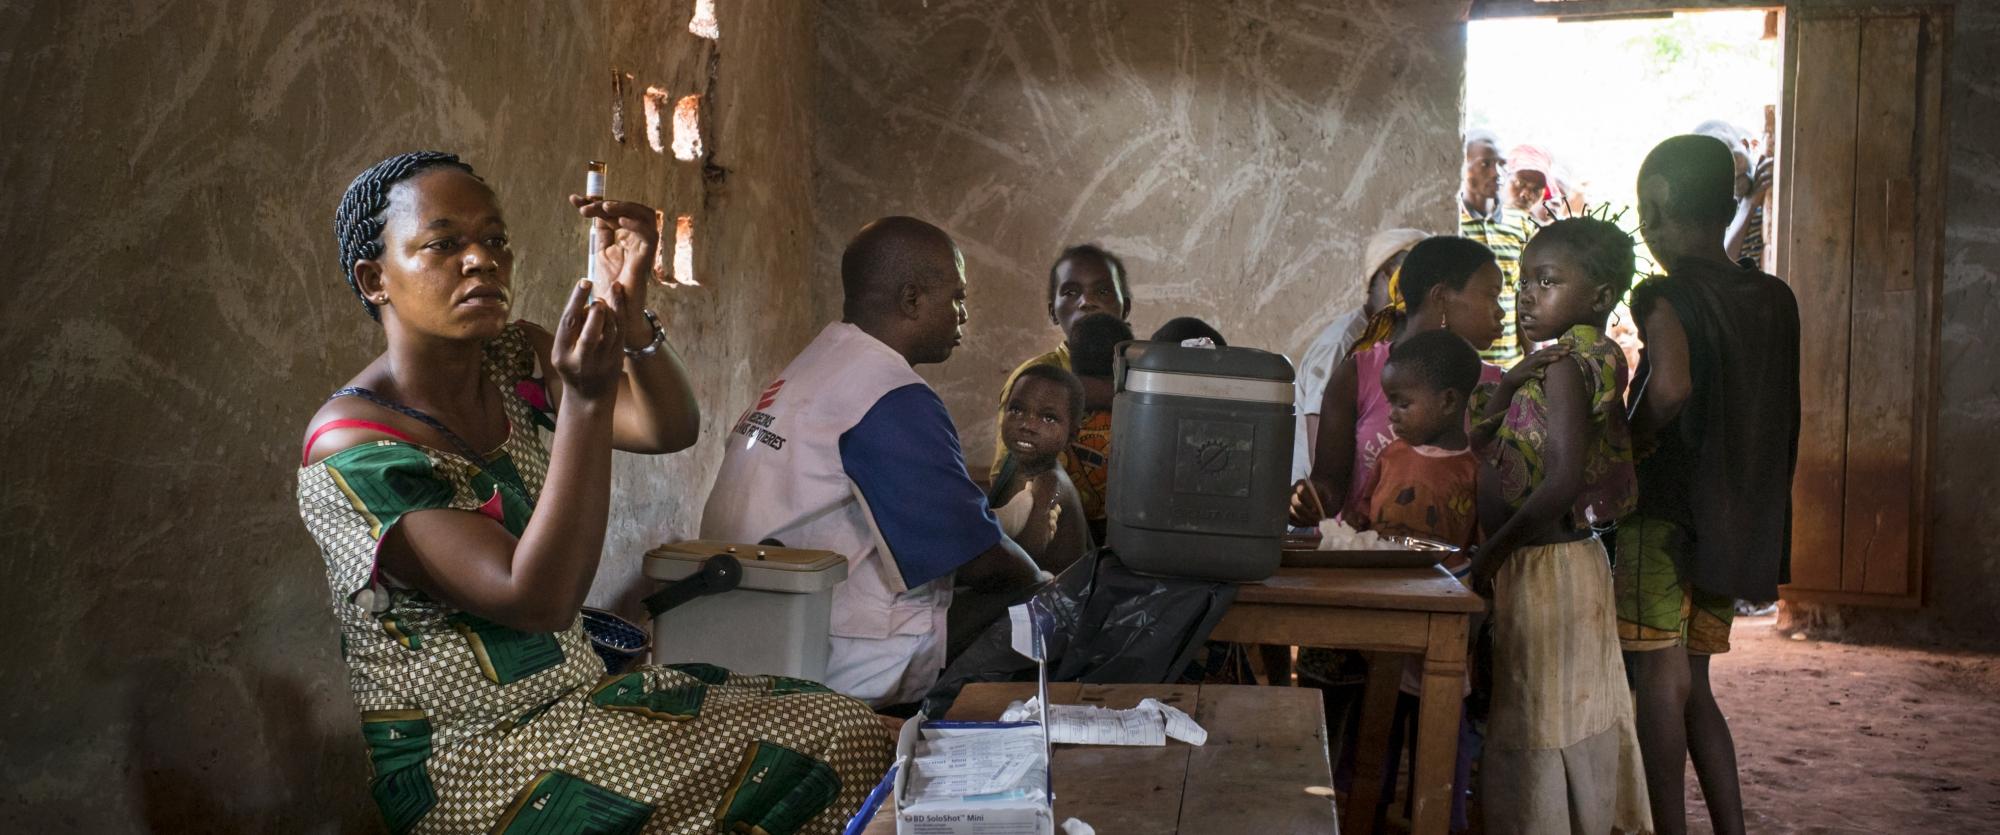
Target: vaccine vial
593,189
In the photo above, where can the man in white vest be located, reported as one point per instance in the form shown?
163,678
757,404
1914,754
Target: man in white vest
848,450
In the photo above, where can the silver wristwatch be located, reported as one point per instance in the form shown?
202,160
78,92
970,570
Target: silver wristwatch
659,337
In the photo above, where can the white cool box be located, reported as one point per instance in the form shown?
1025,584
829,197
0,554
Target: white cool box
774,622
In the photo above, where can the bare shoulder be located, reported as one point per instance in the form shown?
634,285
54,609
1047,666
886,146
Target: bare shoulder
1066,493
1064,485
1659,320
1564,380
325,437
1343,385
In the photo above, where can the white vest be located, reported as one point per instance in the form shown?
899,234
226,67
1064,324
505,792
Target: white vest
782,478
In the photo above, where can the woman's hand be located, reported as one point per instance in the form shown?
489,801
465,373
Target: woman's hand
1530,367
1307,508
587,353
630,236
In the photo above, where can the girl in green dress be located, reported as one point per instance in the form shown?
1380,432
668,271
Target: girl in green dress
1561,754
459,548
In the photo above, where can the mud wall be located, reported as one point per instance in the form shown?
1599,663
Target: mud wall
175,313
1237,155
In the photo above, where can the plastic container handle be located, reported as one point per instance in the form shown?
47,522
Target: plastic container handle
1118,353
718,574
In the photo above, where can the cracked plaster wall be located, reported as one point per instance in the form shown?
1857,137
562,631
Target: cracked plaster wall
1236,154
175,313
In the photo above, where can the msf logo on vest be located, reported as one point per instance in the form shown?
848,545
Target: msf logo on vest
755,424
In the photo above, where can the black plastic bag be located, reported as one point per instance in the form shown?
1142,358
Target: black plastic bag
1108,626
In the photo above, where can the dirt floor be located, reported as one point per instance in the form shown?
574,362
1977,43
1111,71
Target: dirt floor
1838,738
1833,738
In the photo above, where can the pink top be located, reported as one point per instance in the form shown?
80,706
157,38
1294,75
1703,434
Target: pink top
1371,422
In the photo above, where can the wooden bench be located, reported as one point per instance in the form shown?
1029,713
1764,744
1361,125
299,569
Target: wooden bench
1264,768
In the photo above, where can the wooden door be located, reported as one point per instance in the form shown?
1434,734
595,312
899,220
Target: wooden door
1861,219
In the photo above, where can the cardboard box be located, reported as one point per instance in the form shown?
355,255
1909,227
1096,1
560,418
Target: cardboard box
986,816
1023,816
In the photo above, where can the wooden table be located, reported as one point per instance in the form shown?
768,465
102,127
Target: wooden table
1264,768
1376,610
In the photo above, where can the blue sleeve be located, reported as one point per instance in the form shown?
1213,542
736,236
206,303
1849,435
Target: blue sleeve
905,458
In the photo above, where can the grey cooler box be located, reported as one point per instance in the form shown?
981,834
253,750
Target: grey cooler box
1201,459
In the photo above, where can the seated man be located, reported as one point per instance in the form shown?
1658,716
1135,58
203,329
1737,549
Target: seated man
850,451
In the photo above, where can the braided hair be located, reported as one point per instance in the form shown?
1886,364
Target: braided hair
357,224
1605,251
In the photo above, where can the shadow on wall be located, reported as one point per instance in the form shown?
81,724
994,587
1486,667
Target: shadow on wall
1236,155
267,776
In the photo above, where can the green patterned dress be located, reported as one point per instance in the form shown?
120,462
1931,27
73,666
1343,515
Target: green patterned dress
476,727
1562,752
1610,484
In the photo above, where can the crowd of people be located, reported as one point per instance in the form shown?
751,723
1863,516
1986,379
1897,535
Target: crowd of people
1474,398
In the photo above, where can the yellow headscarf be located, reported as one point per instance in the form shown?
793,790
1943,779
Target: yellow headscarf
1384,245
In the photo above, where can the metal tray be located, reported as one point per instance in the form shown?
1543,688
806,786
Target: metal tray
1417,553
1361,559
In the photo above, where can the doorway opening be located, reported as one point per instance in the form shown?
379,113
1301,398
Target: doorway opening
1576,104
1593,96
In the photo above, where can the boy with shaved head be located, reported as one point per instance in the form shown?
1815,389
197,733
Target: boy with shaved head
1715,422
850,451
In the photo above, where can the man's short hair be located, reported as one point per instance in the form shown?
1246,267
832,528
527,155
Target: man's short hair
893,251
1440,359
1701,177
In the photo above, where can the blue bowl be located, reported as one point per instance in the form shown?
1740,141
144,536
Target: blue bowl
616,640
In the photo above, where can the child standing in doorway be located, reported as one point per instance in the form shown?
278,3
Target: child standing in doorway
1561,753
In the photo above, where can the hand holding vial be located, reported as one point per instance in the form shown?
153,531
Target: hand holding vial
623,239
